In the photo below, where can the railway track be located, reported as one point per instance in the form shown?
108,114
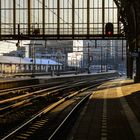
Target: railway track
39,106
50,118
15,101
12,92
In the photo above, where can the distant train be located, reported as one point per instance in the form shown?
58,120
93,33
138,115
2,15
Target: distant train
10,64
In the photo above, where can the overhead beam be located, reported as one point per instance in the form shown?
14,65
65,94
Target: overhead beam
64,37
53,10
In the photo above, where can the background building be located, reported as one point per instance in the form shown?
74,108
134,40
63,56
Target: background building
9,48
98,55
79,55
54,50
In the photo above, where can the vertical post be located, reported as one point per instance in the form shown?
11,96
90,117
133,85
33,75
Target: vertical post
58,18
1,68
58,65
95,59
118,29
106,59
34,59
122,49
18,45
88,60
43,17
129,60
137,77
76,65
73,18
29,16
18,29
103,16
101,60
14,17
88,18
137,37
20,63
116,61
40,63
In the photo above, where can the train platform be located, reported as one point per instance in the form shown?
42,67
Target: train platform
13,82
112,113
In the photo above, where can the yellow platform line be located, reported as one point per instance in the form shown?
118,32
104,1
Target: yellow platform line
134,123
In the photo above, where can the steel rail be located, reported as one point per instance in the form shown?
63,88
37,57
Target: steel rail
55,133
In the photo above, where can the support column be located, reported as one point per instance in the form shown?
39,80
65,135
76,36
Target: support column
137,77
0,67
43,16
0,19
129,67
88,18
129,61
103,16
14,17
29,16
58,18
73,18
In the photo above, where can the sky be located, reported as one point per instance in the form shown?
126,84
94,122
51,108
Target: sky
10,45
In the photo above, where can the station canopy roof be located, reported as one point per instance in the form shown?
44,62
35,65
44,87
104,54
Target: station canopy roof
20,60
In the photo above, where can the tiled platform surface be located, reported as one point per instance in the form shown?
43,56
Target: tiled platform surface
112,113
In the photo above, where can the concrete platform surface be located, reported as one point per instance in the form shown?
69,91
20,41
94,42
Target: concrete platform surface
112,113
